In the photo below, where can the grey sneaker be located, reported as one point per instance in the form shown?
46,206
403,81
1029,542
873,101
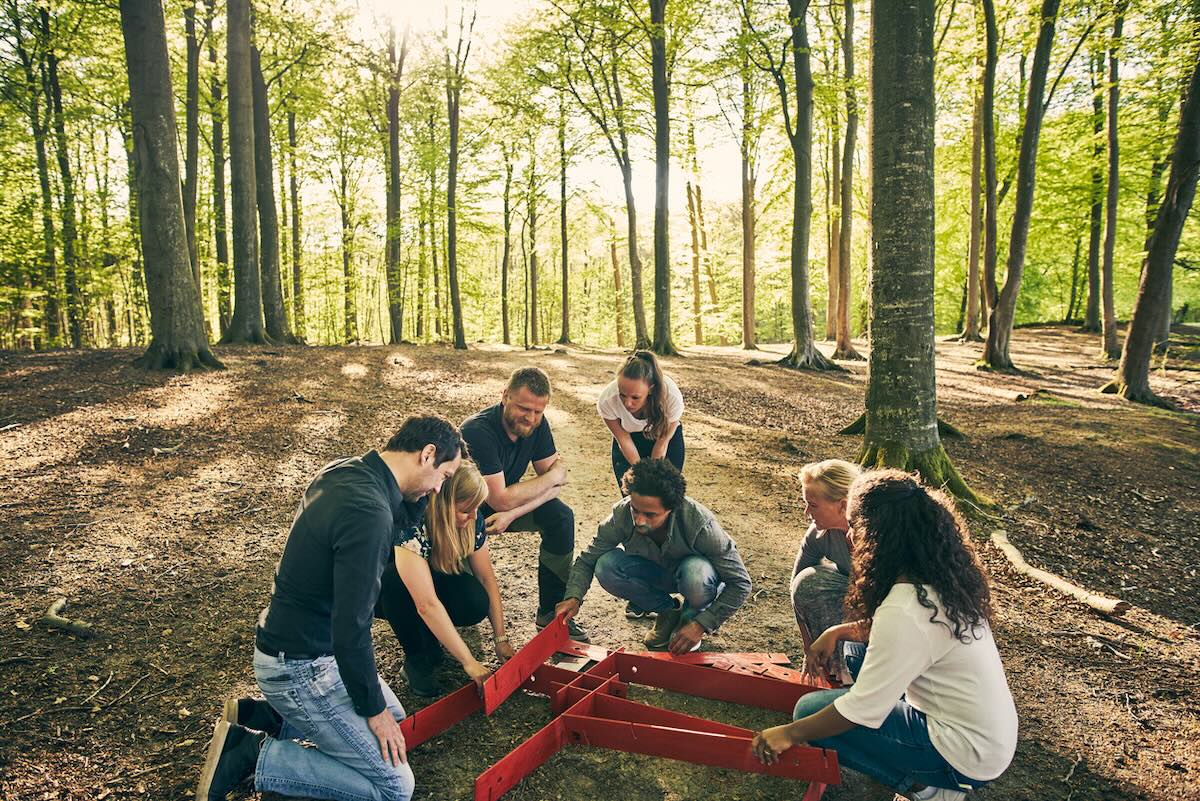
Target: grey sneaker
574,630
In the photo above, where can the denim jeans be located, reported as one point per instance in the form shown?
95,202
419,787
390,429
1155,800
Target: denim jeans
346,764
898,754
649,584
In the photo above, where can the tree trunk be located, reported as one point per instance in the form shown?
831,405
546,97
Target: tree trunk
970,332
396,73
565,339
453,93
191,149
274,318
834,248
662,343
532,278
901,401
139,305
694,225
749,335
349,304
804,354
224,311
1153,301
504,260
1000,325
75,302
176,318
844,349
1091,316
247,324
421,267
990,225
641,339
1109,348
294,191
612,253
1070,315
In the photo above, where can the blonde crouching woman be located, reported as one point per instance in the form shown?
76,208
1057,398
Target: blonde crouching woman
429,593
821,573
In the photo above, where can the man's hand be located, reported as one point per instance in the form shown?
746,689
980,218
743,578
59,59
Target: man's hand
477,673
391,741
768,744
559,471
570,606
498,523
819,657
504,650
686,637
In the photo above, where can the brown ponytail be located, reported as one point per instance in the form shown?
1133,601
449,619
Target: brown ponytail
643,366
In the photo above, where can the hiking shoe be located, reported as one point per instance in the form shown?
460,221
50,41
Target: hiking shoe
420,679
635,612
253,713
232,754
664,626
574,630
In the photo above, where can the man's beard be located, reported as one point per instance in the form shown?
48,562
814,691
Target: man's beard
517,427
643,530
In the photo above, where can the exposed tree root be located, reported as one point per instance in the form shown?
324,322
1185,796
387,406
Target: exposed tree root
55,619
964,337
259,337
666,348
1117,387
859,426
933,465
812,359
180,358
945,429
848,354
1107,606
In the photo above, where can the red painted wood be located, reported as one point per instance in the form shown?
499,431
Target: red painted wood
434,719
516,671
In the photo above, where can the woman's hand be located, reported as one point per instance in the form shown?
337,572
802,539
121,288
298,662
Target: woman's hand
504,649
498,522
477,673
818,659
768,744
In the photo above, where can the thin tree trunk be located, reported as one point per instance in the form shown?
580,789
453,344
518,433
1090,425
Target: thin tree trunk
176,317
349,284
996,351
698,197
990,225
421,267
1091,317
139,305
1070,315
396,73
453,93
617,304
844,349
504,261
224,310
274,318
532,276
970,332
247,323
834,248
75,302
191,150
1109,347
694,227
662,343
298,321
749,334
1153,301
565,339
901,426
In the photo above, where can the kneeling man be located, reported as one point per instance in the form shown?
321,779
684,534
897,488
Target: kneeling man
658,541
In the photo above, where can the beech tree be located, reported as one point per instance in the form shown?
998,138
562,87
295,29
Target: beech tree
176,319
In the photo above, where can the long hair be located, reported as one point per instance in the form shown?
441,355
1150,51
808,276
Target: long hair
832,477
449,543
643,366
903,528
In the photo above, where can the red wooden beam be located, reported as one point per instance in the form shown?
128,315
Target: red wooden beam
719,685
443,713
527,757
713,658
516,671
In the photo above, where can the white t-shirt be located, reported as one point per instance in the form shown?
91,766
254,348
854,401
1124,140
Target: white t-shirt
959,686
610,407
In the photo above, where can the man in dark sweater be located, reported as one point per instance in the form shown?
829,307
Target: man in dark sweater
313,657
504,440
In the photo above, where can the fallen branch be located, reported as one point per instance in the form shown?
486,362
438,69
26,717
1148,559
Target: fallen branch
55,619
15,659
1107,606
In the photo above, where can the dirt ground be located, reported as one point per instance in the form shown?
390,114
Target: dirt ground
158,505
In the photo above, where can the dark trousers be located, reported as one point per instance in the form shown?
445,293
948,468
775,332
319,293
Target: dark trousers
461,594
644,445
555,522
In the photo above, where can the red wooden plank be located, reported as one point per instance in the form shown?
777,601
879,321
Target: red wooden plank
815,791
548,680
440,715
704,748
712,657
575,648
527,757
605,669
516,671
607,706
719,685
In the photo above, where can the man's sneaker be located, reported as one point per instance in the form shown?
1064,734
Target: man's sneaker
932,794
232,754
574,630
253,713
664,626
421,680
635,612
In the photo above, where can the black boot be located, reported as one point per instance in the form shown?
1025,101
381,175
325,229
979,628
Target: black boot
419,671
232,755
253,713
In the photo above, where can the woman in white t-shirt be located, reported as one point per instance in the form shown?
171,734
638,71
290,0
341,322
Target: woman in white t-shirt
642,407
930,713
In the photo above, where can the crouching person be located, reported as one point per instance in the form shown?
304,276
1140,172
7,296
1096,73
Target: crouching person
313,657
656,542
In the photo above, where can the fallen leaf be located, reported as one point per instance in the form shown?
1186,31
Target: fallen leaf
22,625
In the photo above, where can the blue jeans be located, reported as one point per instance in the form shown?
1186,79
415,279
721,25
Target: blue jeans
649,584
346,764
898,754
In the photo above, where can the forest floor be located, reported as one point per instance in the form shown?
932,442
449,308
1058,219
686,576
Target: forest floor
159,504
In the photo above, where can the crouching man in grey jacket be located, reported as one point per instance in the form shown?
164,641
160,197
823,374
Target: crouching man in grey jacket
656,542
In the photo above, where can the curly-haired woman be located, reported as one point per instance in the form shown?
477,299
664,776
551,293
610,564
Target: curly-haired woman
930,713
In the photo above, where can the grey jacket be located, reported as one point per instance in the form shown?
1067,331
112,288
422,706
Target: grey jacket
693,531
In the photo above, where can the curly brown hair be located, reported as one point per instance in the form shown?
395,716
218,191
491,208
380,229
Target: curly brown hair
902,528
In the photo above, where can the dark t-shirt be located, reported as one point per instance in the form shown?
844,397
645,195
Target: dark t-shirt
494,452
328,578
